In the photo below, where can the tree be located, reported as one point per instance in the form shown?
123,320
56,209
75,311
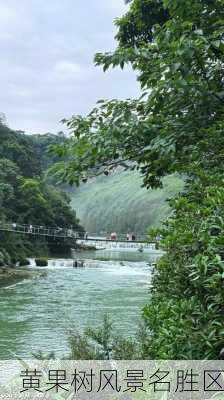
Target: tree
26,197
180,71
9,178
136,27
18,148
175,126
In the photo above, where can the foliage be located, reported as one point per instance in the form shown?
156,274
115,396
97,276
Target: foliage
185,314
23,262
42,145
4,258
137,25
41,262
101,344
168,129
17,147
26,197
175,126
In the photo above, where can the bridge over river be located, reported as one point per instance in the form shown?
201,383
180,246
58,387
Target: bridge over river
80,237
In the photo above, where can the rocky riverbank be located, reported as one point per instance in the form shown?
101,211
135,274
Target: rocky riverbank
13,275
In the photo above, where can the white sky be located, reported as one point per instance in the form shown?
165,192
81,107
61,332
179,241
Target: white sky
47,70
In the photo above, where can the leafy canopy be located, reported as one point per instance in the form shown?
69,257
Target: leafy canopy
179,116
26,196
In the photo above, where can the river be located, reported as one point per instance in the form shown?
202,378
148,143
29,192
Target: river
38,314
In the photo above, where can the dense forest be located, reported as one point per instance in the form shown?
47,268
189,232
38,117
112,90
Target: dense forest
26,193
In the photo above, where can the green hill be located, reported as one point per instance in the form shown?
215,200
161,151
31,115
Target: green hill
118,202
26,197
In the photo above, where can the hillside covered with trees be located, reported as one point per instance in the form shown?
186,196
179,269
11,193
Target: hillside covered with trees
119,202
26,196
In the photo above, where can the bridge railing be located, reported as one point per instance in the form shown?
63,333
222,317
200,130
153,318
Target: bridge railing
41,230
58,232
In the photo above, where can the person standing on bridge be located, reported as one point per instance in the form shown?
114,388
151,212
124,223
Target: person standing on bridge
129,237
70,232
113,236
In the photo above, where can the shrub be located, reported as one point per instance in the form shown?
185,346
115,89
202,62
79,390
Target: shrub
101,343
41,262
23,262
185,311
2,261
4,258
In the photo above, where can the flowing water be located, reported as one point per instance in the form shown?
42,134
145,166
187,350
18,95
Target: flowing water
38,314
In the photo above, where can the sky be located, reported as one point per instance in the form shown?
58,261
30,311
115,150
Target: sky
47,70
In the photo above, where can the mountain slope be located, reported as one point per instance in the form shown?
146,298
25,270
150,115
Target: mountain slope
26,197
118,202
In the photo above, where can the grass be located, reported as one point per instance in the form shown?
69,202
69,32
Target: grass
119,203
